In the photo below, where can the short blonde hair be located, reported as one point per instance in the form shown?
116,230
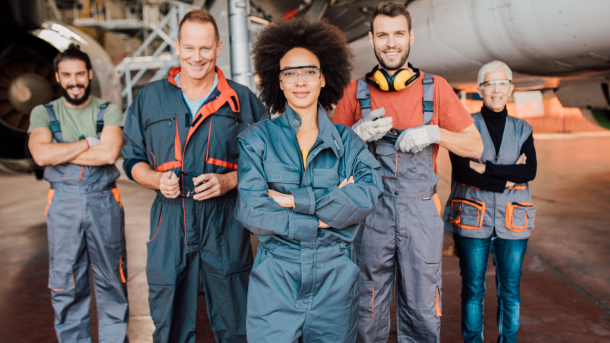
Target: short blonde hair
493,66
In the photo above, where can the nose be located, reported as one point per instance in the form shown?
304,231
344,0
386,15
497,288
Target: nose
300,79
391,41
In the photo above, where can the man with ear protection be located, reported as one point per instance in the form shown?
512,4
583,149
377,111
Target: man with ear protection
419,112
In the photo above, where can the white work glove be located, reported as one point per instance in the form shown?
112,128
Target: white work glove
92,141
417,138
371,130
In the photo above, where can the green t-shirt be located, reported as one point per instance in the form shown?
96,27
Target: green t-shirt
75,122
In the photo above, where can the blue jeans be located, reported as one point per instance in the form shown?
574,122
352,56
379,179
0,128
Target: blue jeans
474,256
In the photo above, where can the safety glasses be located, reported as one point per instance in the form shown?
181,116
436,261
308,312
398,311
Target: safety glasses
188,187
493,85
291,75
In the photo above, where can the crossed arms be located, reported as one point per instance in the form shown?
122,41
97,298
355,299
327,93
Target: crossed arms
45,152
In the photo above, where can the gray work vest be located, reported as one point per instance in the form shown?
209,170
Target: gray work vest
404,174
472,212
77,178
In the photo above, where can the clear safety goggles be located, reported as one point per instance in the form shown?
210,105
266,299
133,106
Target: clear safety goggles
496,85
291,75
188,187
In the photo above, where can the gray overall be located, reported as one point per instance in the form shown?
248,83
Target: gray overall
403,232
85,224
474,213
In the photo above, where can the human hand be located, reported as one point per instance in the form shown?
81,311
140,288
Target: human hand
522,159
417,138
169,185
478,167
346,181
92,141
214,185
284,200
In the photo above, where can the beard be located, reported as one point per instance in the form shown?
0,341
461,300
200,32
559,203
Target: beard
404,56
76,101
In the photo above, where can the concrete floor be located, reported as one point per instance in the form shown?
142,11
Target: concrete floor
565,288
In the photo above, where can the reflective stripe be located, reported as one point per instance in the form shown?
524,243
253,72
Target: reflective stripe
438,307
214,160
121,270
168,165
518,188
49,200
177,149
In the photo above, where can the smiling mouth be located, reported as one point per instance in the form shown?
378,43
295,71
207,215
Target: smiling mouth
301,94
197,66
392,53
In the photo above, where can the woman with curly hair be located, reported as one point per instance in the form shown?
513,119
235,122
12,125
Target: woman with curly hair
304,184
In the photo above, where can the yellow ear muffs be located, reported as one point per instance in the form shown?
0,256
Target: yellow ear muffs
382,80
400,79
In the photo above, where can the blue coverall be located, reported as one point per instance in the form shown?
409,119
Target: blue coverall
304,281
190,237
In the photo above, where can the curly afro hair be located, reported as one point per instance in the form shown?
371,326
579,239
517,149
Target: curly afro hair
324,40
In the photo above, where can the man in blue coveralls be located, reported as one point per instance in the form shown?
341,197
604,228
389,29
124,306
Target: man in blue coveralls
181,141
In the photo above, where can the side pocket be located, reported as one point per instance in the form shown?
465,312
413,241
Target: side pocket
49,200
387,158
520,216
367,299
158,227
61,275
73,172
467,214
117,196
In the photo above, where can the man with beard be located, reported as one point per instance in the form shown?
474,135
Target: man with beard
78,138
181,136
405,231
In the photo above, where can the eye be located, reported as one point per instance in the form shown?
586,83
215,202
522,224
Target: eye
288,73
311,72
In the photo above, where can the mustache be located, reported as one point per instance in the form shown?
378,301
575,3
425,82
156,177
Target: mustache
75,86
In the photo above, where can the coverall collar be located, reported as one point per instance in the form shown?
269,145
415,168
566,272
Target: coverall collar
327,131
223,86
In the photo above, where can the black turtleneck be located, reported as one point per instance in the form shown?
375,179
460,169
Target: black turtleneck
495,176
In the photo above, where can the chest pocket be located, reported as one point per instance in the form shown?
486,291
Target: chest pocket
160,133
282,177
222,148
387,158
325,178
